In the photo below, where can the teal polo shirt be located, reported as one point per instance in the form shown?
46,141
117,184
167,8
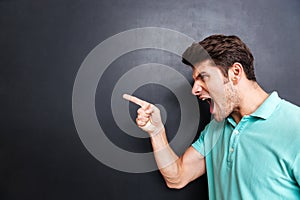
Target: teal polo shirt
258,158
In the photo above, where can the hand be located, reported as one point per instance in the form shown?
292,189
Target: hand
148,118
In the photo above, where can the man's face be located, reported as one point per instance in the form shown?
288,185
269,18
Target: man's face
211,85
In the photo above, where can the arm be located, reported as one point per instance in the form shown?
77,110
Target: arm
177,171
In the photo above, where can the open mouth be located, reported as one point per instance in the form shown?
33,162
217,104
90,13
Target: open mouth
210,101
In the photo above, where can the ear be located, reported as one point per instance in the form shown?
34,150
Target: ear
235,72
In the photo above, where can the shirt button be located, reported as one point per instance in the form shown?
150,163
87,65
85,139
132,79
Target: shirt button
235,132
231,150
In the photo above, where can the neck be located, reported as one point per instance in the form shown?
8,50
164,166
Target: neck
250,98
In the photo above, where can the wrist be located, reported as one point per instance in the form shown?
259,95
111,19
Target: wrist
157,131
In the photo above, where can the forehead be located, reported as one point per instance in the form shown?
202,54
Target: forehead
206,66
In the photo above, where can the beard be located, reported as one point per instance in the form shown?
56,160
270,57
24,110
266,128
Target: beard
226,104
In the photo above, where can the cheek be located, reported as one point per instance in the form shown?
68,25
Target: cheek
216,89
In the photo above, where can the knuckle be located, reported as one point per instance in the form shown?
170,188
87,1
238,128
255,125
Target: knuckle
140,110
149,111
144,119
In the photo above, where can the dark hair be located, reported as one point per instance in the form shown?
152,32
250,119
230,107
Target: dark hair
224,51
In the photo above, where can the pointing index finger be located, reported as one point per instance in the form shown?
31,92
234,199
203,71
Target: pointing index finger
143,104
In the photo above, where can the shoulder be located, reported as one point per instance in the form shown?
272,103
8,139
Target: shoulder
285,122
288,112
290,106
209,137
212,127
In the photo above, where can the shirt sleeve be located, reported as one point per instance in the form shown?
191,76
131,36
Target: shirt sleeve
199,143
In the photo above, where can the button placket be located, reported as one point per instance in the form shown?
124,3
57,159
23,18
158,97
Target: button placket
235,132
234,139
232,146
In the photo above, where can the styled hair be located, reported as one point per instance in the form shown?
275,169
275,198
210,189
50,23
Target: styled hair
224,51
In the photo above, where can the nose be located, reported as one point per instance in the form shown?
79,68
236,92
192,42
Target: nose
196,90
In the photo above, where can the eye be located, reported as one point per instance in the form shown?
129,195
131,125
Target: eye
203,77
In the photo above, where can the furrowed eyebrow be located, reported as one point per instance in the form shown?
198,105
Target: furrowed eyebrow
200,75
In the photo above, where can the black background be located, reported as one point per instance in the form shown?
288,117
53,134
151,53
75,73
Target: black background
42,45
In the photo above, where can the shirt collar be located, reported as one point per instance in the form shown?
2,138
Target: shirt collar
268,106
265,109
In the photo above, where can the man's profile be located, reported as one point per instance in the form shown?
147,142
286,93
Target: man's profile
257,155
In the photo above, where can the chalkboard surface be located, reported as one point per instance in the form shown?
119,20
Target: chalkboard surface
42,46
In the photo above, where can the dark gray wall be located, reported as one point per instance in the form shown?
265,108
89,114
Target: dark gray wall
42,45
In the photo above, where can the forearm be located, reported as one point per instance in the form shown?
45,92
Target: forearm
176,171
167,161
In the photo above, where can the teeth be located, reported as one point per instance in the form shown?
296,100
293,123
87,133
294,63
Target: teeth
203,99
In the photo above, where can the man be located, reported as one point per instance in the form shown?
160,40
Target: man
251,149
